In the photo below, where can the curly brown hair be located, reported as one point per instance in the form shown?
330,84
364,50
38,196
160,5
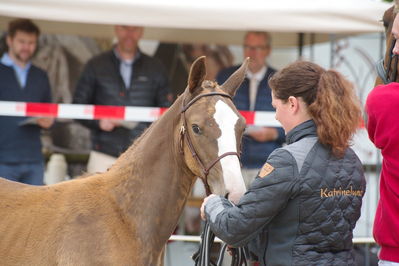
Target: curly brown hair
330,99
24,25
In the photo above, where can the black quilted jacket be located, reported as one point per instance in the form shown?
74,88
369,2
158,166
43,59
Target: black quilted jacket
101,83
302,212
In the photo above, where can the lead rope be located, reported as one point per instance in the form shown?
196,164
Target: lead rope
202,256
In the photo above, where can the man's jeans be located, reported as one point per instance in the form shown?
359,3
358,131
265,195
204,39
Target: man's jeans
28,173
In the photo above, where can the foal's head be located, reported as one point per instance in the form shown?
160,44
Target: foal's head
387,69
214,128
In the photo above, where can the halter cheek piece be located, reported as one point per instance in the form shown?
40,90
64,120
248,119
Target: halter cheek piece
185,135
386,75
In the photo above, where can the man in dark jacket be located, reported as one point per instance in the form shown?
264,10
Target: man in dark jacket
255,95
123,76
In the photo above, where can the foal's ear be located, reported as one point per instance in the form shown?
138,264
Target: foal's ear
234,81
197,74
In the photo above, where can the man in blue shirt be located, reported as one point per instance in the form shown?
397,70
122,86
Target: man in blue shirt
255,95
21,157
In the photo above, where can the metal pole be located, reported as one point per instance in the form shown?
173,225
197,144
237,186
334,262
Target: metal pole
332,49
367,254
382,44
312,41
301,39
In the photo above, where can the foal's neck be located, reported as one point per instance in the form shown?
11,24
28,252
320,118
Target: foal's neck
153,182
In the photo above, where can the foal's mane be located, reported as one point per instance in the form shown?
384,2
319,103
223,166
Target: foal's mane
170,114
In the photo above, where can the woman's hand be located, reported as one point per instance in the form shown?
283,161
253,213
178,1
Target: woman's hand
203,216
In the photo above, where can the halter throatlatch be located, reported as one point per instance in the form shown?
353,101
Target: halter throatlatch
185,135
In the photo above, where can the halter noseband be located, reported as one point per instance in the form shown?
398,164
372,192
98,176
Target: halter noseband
386,75
184,134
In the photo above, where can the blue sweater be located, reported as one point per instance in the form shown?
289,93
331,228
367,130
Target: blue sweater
254,153
21,144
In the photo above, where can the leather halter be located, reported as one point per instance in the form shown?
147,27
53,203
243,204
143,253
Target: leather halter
386,75
185,135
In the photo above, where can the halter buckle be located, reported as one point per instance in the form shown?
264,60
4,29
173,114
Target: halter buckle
182,131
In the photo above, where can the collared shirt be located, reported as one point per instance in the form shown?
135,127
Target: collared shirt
126,67
20,72
254,80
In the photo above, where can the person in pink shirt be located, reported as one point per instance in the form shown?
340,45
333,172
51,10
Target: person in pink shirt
382,107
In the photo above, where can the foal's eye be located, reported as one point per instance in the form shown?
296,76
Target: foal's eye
196,129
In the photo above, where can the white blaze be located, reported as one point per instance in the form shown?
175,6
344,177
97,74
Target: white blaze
232,177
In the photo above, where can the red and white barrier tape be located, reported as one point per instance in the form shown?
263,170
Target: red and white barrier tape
126,113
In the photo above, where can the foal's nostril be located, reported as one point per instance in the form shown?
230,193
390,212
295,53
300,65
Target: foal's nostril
227,195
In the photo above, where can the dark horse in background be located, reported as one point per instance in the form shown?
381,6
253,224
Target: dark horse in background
126,215
387,68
